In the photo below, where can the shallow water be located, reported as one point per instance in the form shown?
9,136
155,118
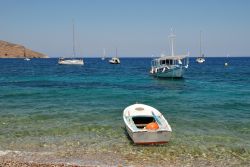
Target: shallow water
74,110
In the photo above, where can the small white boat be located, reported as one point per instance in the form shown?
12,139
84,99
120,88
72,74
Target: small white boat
63,61
27,59
146,125
24,54
115,60
201,58
173,66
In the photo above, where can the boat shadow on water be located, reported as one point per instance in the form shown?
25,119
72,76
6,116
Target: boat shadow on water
169,78
171,83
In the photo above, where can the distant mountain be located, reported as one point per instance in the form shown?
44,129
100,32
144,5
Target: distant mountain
10,50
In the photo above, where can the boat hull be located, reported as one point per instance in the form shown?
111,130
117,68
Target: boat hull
177,72
113,62
27,59
149,137
71,62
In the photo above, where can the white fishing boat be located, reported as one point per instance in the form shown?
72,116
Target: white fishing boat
201,58
146,125
115,60
71,61
173,66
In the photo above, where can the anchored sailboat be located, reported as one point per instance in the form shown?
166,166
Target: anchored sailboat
24,54
201,58
226,63
115,60
71,61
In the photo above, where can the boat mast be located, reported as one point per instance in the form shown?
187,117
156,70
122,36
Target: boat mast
172,37
104,52
115,52
24,52
200,45
74,53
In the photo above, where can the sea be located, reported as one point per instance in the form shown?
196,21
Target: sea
73,114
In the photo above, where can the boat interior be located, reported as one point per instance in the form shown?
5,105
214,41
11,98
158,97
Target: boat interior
141,122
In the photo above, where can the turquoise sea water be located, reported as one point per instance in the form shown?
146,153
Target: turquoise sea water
77,110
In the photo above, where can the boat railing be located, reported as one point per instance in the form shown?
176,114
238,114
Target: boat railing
156,63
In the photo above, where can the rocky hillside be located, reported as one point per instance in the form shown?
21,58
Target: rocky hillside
10,50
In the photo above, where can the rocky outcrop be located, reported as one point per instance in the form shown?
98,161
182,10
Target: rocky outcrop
10,50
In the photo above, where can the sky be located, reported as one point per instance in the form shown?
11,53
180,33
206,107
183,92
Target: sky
137,28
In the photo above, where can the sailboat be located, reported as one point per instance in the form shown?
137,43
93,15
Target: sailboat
115,60
173,66
24,54
71,61
226,63
104,54
201,58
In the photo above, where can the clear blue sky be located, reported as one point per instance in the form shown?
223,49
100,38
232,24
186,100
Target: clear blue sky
135,27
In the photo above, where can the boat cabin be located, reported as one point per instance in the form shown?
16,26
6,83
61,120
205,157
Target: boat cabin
169,61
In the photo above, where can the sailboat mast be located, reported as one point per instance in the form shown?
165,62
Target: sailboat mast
115,52
200,45
74,40
24,52
172,41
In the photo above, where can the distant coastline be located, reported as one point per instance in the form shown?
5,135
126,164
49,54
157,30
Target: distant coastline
10,50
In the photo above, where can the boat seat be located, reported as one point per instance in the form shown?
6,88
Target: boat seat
140,125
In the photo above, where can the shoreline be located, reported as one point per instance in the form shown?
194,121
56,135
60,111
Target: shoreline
46,159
